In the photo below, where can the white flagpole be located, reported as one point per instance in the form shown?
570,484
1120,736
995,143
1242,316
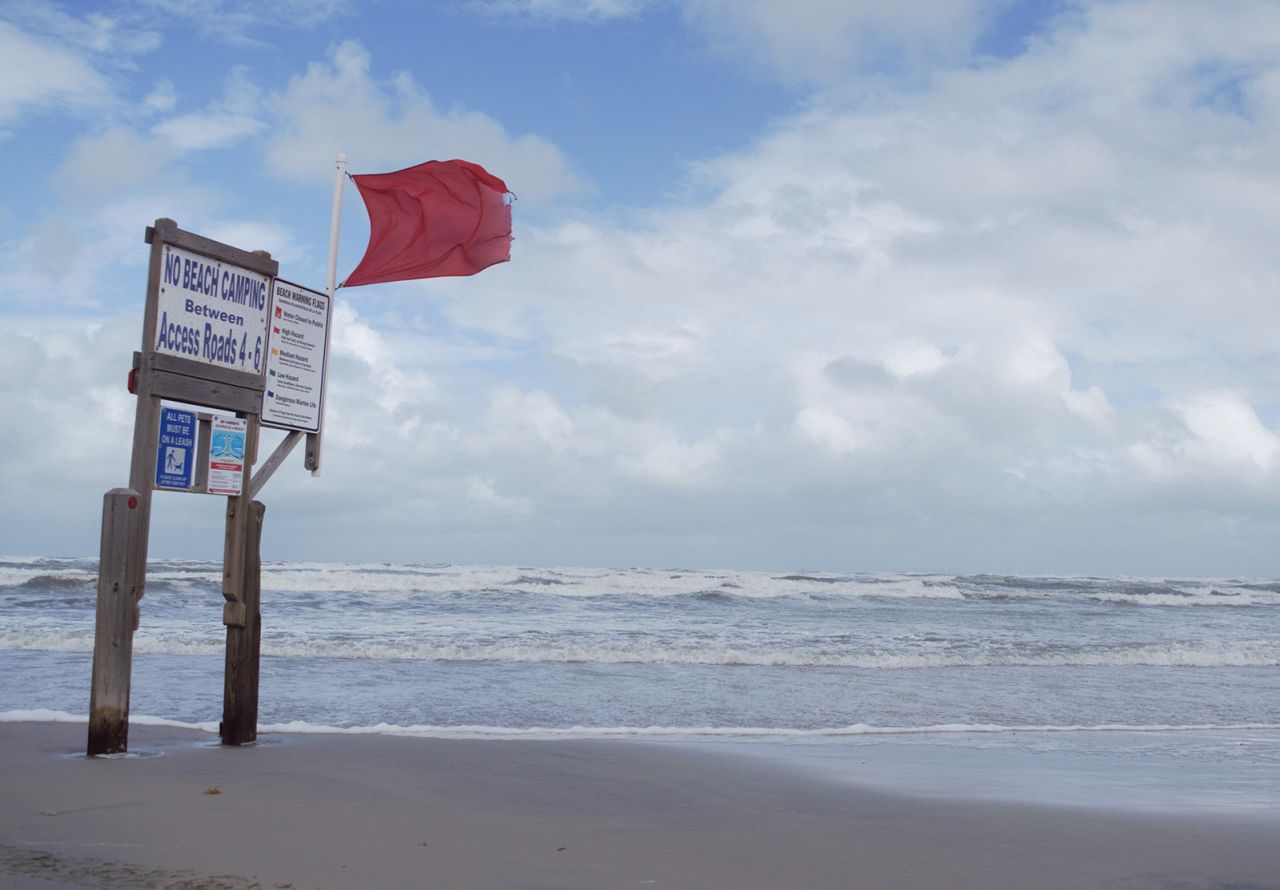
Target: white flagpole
334,222
313,453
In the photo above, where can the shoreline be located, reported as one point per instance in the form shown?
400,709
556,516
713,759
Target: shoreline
333,811
1223,772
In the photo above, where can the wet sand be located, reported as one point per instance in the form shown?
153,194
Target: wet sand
314,811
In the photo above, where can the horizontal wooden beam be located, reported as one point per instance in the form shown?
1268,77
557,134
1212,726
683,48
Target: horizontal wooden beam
194,391
166,231
174,364
197,383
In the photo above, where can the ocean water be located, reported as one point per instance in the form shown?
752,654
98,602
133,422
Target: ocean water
1164,691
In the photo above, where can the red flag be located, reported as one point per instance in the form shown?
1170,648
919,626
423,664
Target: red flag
436,219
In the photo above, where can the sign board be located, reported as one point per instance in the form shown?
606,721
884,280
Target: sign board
226,455
176,449
211,311
295,358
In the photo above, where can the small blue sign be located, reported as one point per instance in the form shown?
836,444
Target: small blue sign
176,453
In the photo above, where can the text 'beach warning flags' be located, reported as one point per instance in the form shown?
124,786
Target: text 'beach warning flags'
433,220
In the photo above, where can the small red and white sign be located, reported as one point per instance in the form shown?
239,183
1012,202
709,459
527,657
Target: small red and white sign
226,455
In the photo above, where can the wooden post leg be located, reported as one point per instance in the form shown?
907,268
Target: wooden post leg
244,643
233,551
115,623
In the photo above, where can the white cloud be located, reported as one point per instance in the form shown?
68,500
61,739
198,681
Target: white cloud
121,157
976,296
114,38
233,118
534,417
241,21
556,10
399,389
823,40
1227,431
278,240
671,462
71,403
481,491
162,97
37,75
194,132
117,181
112,161
339,106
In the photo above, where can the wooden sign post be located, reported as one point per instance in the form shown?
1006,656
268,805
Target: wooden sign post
113,632
206,340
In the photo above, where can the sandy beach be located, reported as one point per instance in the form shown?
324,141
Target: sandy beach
326,811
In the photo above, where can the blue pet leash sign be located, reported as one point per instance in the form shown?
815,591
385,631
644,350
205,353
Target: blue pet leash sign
176,450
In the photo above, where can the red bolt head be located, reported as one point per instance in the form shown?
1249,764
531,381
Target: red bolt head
133,503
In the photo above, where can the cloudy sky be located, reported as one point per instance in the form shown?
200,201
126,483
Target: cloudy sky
887,285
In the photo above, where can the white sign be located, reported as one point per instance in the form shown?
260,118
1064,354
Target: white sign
295,357
211,312
226,455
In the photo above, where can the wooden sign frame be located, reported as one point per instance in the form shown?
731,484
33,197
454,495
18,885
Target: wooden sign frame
127,513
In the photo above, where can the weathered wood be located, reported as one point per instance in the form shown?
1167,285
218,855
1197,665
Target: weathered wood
146,430
242,614
122,562
175,364
200,482
166,231
244,644
233,563
234,542
312,459
252,434
198,383
114,625
142,475
273,463
195,391
125,529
